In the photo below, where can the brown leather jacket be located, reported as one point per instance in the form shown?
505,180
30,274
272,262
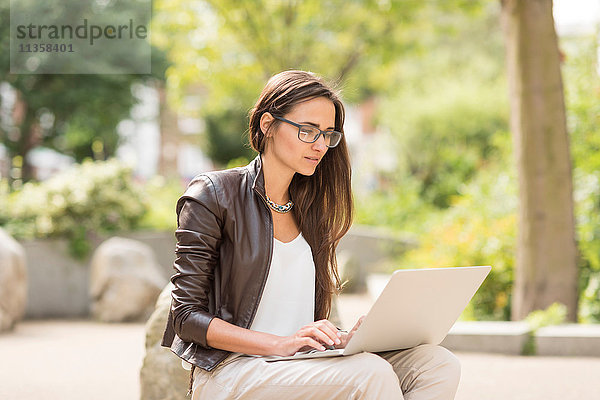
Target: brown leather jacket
223,254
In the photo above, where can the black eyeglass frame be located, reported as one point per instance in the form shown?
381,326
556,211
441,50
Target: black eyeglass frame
324,133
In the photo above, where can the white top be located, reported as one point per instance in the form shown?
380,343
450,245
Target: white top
288,299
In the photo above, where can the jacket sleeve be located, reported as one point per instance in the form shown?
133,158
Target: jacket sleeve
197,253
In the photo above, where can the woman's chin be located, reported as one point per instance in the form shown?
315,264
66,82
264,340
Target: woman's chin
307,171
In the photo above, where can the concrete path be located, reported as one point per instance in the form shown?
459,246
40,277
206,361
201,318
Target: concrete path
499,377
69,360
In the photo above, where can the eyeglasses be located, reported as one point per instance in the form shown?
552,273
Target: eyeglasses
310,134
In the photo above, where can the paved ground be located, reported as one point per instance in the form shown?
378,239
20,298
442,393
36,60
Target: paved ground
68,360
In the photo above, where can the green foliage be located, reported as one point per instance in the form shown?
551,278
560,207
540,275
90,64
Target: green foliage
478,229
230,48
235,45
555,314
452,103
396,204
445,139
582,93
162,195
73,114
448,118
226,137
238,162
478,226
90,199
582,89
455,188
587,207
589,305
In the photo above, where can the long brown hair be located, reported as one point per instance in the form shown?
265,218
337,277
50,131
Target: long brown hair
323,201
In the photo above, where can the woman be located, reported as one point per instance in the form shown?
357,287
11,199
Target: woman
256,267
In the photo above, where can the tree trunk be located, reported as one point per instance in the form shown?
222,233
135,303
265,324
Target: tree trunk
546,270
28,140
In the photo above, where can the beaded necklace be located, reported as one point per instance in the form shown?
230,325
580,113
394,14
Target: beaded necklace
278,207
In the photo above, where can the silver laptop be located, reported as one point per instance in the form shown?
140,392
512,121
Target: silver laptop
417,306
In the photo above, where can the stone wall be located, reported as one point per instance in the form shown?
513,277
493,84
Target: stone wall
59,285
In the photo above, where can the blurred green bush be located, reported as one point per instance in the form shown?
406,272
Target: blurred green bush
587,197
555,314
445,138
582,92
225,137
479,228
86,201
162,195
455,186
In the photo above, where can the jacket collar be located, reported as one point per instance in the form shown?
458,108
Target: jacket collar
256,170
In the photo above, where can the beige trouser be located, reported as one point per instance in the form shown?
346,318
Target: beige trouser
424,372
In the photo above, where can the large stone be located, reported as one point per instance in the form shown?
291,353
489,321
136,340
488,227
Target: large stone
13,281
162,377
125,281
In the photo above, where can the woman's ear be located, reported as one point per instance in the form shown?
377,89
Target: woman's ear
265,122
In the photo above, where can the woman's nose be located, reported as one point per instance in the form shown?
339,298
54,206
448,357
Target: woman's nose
319,144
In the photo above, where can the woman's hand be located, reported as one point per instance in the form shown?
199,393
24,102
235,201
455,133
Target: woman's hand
312,336
345,338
